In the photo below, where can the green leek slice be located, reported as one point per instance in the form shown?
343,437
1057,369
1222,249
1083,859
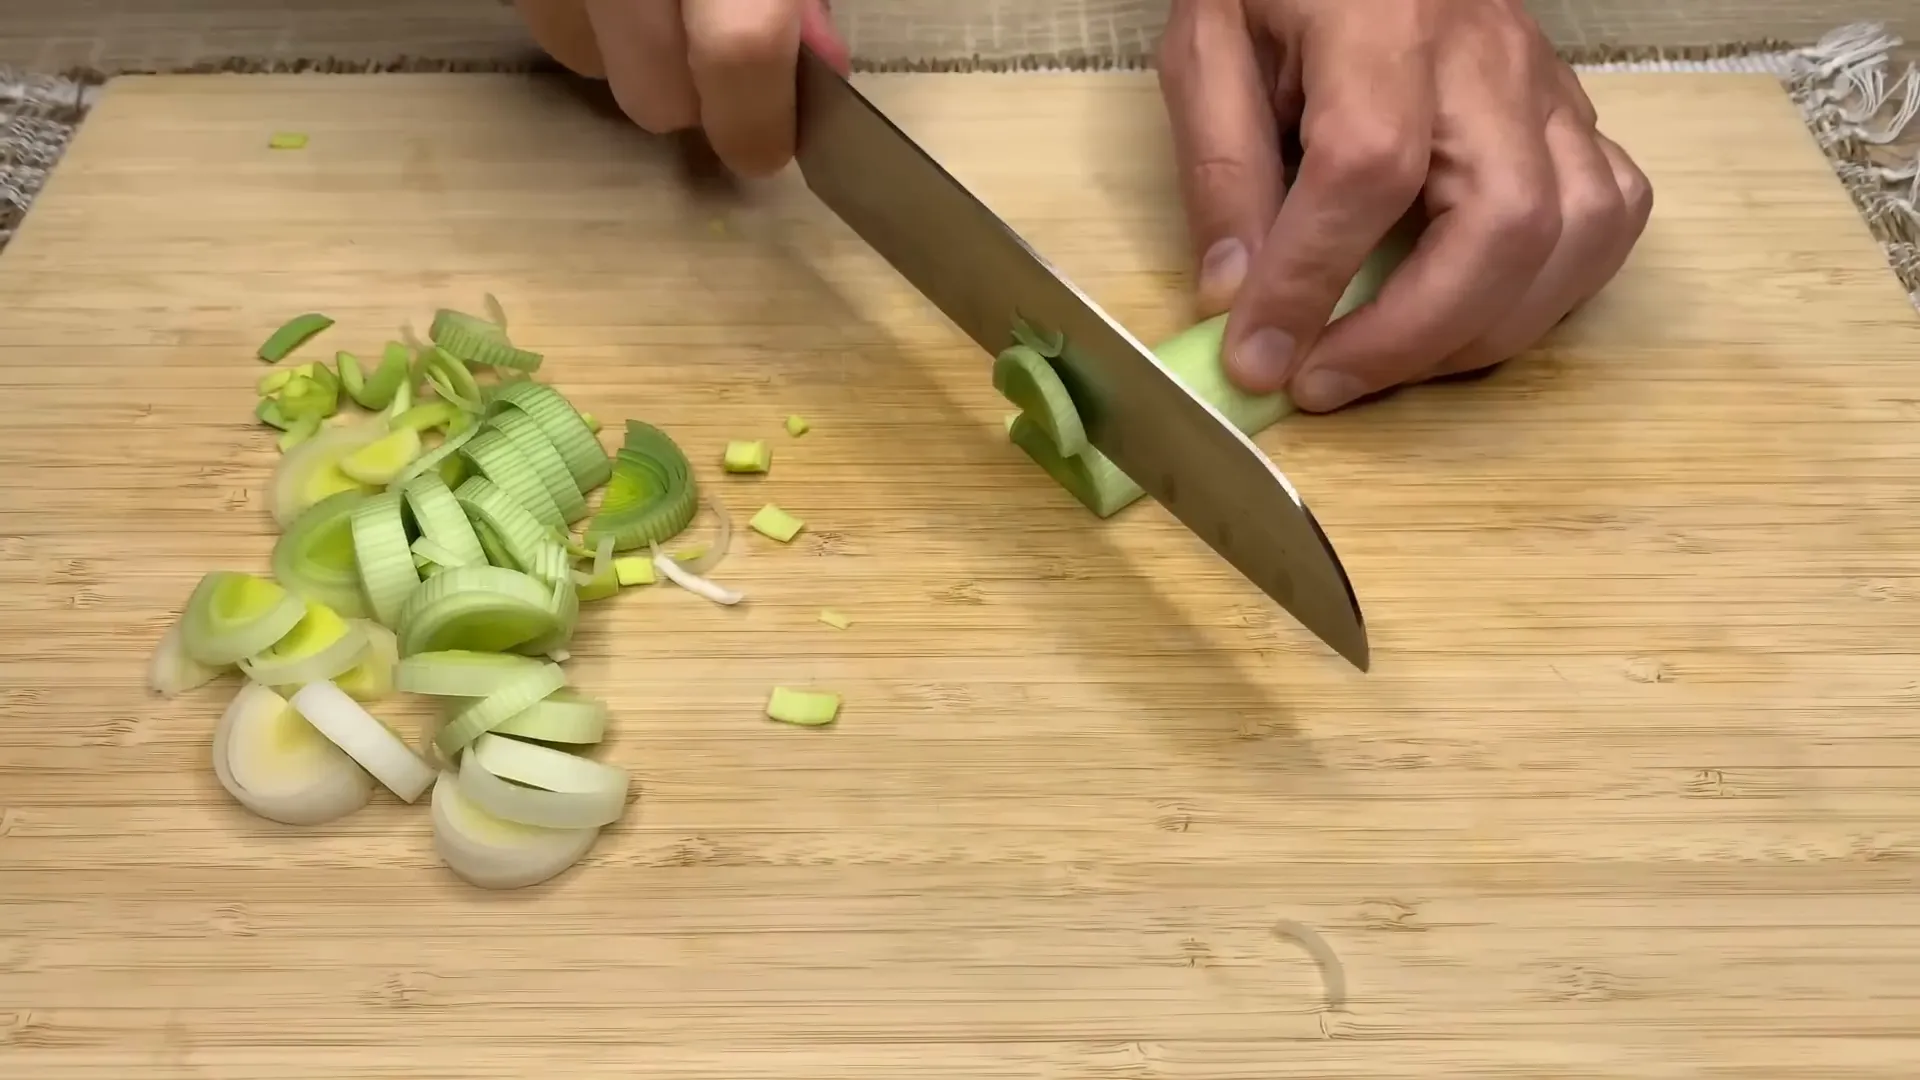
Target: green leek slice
437,514
461,673
267,411
797,426
451,379
381,548
483,609
314,557
520,536
311,471
490,545
563,426
320,646
802,708
776,524
539,452
747,457
652,496
308,395
377,463
292,334
477,341
272,381
561,717
373,389
511,699
436,458
497,458
1024,377
231,616
298,432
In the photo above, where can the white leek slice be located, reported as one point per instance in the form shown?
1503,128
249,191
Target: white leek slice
589,793
562,717
368,741
497,854
173,672
274,763
692,582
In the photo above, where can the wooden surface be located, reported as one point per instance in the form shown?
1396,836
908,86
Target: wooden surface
1629,793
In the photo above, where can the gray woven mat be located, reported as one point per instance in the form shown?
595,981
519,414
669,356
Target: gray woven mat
1856,100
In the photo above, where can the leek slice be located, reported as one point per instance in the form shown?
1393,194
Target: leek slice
434,414
365,739
547,464
521,537
493,853
776,524
172,672
478,341
512,698
835,619
292,334
374,389
560,717
372,678
462,673
380,548
802,708
747,457
231,616
451,379
591,795
796,426
320,646
651,497
311,471
634,570
484,609
1048,344
502,462
428,553
694,583
377,463
287,140
276,764
1024,377
314,558
563,426
440,519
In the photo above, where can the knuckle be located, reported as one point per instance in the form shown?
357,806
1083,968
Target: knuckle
746,45
1526,222
1377,160
1594,207
1636,192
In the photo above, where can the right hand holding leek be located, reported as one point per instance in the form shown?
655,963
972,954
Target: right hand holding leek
724,66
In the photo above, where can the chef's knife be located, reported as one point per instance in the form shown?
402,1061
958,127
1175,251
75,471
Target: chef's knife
982,276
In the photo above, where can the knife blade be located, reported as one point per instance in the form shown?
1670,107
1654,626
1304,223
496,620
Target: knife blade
972,266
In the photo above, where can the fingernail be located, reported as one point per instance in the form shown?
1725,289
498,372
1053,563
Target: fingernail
1262,361
1222,270
1323,389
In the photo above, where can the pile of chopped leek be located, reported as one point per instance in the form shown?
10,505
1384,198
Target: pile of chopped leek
427,547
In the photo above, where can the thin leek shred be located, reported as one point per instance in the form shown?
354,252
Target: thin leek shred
776,524
802,708
1046,428
292,334
747,457
652,496
694,583
1049,344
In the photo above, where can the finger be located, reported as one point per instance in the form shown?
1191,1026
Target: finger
743,54
1574,93
563,31
645,51
1500,224
1225,142
817,31
1593,215
1635,190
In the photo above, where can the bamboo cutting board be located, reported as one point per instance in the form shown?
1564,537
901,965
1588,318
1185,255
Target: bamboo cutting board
1629,793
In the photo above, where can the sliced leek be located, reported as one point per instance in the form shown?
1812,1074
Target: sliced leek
276,764
380,461
563,426
747,457
232,616
802,708
462,673
314,557
320,646
776,524
652,496
440,519
493,853
311,471
478,341
380,548
512,698
372,678
291,335
502,462
484,609
590,794
560,717
172,672
365,739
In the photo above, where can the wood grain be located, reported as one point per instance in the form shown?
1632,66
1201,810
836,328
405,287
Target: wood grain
1629,792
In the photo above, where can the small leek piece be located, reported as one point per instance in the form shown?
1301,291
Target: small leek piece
287,140
538,785
796,426
1046,429
272,381
561,717
1048,344
321,645
297,432
372,678
380,461
441,521
462,673
835,619
511,699
478,341
376,389
279,766
633,570
747,457
314,557
492,853
803,708
694,583
486,609
592,422
384,558
563,426
294,333
232,616
651,497
311,472
776,524
451,379
373,744
172,672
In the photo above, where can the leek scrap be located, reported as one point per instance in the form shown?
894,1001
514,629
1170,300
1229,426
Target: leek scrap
747,457
292,334
776,524
631,570
802,708
287,140
797,426
835,619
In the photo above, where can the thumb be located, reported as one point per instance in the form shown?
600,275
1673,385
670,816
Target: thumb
818,34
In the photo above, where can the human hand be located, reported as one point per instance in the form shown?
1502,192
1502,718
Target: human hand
1459,106
725,66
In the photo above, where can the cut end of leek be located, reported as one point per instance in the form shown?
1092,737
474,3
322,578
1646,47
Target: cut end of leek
802,708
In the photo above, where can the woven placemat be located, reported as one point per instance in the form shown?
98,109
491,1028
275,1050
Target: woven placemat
1854,102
